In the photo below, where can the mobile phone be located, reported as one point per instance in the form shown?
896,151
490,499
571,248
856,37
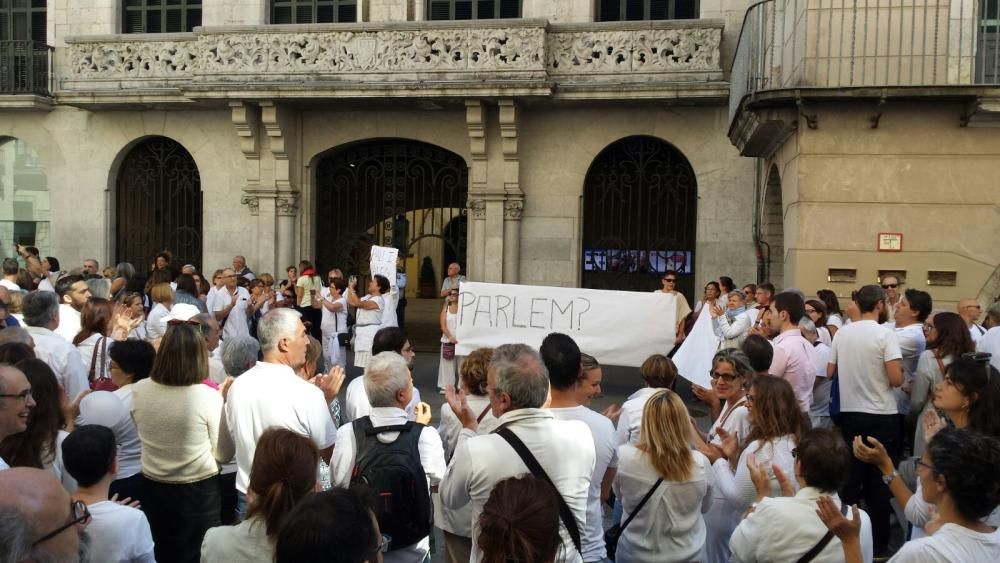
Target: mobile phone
352,280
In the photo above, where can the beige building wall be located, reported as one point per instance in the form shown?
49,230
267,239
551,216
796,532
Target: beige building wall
919,173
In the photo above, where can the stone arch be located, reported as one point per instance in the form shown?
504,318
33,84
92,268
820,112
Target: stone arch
772,230
156,202
640,201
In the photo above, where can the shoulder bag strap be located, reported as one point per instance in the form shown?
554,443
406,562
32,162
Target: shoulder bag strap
104,356
93,362
939,362
482,415
564,511
641,503
818,548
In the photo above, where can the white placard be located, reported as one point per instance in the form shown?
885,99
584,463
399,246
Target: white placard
694,358
383,262
620,328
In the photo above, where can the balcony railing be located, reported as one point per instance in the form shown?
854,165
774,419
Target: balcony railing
800,44
451,58
24,67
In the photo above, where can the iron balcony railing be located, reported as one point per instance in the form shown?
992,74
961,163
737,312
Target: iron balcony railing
25,67
798,44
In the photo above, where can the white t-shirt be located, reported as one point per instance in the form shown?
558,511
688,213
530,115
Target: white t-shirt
10,285
334,322
977,333
603,433
860,352
630,420
236,322
3,464
155,326
272,395
119,534
951,543
821,391
990,343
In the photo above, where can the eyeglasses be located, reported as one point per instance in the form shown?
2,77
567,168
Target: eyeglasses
890,285
727,377
810,311
749,399
972,307
78,514
924,464
23,395
929,327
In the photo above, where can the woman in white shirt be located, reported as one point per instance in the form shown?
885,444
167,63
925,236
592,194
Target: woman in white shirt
670,526
136,312
834,316
659,372
282,474
131,362
448,321
369,316
163,299
95,324
712,296
457,523
776,422
334,321
958,474
730,374
731,324
816,311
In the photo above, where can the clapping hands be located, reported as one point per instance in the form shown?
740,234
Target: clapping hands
329,383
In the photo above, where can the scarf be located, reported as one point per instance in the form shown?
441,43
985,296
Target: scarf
733,313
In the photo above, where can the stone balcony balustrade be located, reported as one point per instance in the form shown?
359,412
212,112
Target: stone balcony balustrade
419,59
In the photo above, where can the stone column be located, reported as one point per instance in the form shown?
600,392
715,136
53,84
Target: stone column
476,246
513,206
287,211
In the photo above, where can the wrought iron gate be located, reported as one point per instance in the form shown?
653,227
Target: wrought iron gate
390,192
158,204
639,217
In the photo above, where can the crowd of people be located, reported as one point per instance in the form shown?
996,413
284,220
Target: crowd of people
173,416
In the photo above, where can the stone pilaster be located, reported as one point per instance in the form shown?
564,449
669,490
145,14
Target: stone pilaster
475,122
513,195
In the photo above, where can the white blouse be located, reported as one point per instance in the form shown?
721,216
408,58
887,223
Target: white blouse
738,488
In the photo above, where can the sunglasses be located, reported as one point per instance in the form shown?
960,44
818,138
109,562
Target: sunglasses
670,280
727,377
78,513
890,285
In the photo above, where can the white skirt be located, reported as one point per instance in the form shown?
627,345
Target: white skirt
448,371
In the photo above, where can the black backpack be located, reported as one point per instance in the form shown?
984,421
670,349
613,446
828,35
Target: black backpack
396,480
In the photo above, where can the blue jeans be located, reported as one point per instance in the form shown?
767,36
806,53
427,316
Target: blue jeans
241,506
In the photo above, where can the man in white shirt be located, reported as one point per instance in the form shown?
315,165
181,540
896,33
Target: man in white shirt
73,295
865,363
794,357
390,388
15,404
356,403
990,343
41,315
453,279
117,532
210,330
891,285
273,394
563,360
517,385
10,270
33,505
230,306
969,310
784,529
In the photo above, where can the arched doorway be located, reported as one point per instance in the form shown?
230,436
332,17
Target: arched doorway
772,231
158,204
390,192
24,198
640,202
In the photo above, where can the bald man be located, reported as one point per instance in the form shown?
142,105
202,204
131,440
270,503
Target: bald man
15,404
969,310
34,505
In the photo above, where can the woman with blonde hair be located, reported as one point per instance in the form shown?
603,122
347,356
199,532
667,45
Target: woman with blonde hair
659,372
664,486
163,299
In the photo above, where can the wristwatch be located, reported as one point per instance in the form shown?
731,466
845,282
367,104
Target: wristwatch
889,478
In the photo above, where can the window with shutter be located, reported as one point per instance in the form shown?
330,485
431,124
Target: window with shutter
313,11
161,16
473,9
635,10
23,20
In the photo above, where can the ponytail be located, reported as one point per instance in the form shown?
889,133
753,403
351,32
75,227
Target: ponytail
520,521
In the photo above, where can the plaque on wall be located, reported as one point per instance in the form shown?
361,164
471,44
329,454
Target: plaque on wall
890,242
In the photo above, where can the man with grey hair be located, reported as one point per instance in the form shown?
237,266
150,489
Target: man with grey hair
241,269
210,330
517,385
189,269
390,387
41,315
990,342
819,409
272,393
16,403
90,266
38,519
239,354
16,334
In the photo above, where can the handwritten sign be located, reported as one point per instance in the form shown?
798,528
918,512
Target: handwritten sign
383,262
617,327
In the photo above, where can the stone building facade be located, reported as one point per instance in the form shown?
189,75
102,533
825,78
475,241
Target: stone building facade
256,118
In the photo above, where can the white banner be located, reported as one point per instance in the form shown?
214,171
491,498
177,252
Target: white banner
620,328
383,262
694,358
